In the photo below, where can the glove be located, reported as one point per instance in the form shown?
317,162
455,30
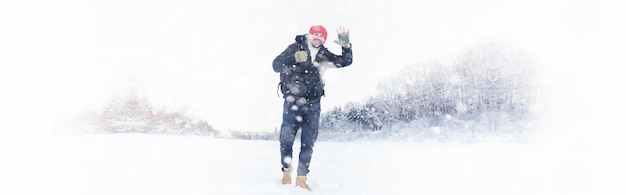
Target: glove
300,56
344,37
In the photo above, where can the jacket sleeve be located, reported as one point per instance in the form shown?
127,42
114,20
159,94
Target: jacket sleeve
286,58
343,60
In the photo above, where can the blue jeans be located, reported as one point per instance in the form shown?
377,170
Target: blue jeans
299,114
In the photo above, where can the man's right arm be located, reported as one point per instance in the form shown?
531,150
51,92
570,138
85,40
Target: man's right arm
286,58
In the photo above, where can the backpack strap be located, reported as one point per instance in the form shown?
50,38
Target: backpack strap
278,88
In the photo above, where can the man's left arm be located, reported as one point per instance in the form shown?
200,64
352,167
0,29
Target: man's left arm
343,60
343,40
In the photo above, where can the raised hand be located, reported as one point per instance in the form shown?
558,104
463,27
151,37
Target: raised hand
343,35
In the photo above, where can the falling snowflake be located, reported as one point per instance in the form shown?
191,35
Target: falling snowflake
301,101
436,130
290,99
287,160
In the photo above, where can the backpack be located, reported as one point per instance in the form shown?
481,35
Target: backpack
283,75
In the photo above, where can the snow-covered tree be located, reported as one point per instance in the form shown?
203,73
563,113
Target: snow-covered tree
128,113
132,113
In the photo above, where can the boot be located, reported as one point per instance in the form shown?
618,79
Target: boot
301,182
286,176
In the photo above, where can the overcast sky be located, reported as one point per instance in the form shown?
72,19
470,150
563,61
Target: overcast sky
212,59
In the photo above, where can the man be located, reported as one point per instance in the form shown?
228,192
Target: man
301,67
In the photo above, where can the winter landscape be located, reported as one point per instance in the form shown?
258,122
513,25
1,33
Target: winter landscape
444,97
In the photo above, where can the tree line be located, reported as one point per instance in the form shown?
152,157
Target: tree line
132,113
486,84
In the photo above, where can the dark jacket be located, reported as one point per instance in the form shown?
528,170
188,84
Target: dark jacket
303,79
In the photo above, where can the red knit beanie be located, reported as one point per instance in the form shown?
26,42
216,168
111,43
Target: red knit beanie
318,29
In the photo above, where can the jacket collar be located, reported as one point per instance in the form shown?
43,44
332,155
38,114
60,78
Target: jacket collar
303,43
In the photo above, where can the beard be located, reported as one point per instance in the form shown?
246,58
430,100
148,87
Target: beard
317,43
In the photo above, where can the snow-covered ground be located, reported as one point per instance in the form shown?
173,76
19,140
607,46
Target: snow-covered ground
153,164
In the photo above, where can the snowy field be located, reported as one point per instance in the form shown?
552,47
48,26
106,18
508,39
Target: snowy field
151,164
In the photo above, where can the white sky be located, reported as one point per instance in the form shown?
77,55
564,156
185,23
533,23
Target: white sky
213,59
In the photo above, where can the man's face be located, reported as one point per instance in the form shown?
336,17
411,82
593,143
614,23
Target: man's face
317,39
